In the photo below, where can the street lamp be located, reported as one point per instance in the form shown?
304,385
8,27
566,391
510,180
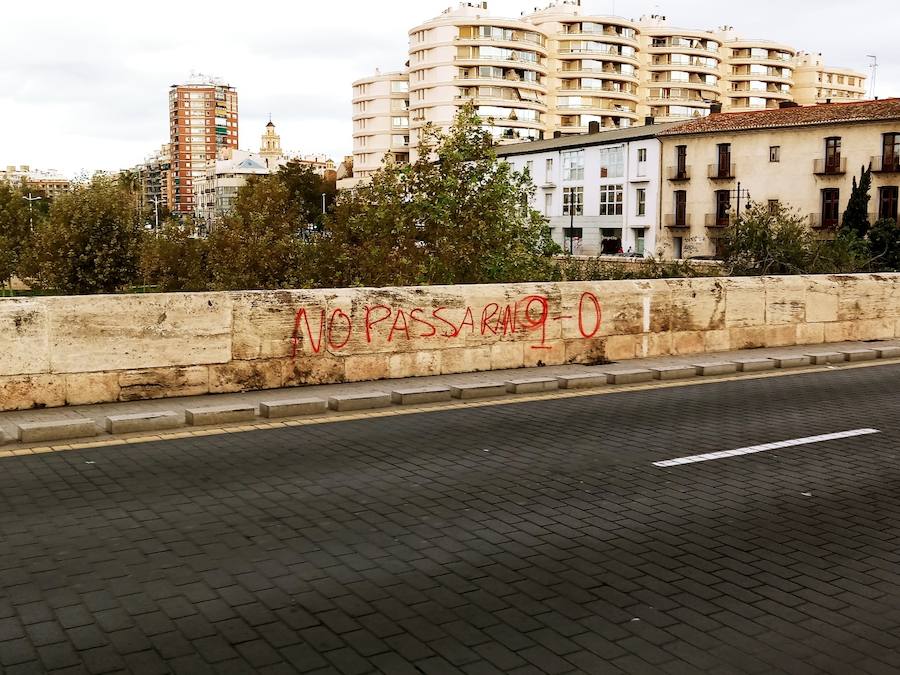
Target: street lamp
31,200
155,201
738,194
323,203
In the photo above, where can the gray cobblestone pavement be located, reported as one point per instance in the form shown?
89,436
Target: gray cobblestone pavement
526,538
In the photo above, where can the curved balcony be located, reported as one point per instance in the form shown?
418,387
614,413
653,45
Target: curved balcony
684,67
476,61
602,91
566,53
768,78
476,80
701,52
755,93
600,73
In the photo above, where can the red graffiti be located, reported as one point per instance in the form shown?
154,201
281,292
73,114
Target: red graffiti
529,315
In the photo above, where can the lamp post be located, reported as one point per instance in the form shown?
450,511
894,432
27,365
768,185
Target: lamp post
323,203
155,201
738,194
31,200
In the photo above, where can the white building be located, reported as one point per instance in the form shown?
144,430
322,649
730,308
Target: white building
604,186
217,190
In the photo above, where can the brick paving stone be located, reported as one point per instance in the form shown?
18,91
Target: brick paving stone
399,545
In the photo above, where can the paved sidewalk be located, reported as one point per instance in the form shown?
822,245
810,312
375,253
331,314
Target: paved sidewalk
10,420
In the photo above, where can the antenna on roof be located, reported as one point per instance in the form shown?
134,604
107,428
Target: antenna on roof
874,68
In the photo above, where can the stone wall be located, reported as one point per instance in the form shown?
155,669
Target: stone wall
80,350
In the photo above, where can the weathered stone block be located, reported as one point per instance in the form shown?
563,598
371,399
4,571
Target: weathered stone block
688,343
697,304
785,300
508,355
465,360
747,338
24,334
633,376
414,364
136,385
888,352
240,376
810,333
582,381
32,391
90,388
745,303
312,370
824,358
665,373
756,365
791,361
855,355
366,368
56,430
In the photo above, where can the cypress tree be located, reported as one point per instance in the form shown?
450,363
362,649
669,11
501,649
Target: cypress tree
856,217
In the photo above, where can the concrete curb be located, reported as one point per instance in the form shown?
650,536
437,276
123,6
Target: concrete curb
857,355
673,373
634,376
792,361
422,395
38,432
532,386
221,414
711,368
467,392
754,365
126,424
368,401
586,381
297,407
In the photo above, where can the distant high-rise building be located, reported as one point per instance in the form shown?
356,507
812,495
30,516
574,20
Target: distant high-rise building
50,182
203,119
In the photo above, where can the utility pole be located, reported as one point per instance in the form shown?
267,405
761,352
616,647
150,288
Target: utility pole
874,68
31,200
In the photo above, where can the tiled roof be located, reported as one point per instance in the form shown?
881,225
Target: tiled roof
799,116
583,140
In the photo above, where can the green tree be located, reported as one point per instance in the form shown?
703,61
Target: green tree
856,217
90,243
174,259
15,216
884,246
457,215
260,243
768,240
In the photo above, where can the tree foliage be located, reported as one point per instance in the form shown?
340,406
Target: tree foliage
262,243
90,243
174,259
767,240
856,217
456,215
884,246
14,228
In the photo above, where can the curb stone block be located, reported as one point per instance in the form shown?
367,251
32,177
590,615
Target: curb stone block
532,386
292,407
633,376
674,372
824,358
57,430
222,414
421,395
888,352
367,401
856,355
481,390
791,361
754,365
124,424
586,381
716,368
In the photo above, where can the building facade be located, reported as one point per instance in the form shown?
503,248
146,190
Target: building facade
203,120
223,177
49,183
155,175
804,157
559,69
600,192
817,83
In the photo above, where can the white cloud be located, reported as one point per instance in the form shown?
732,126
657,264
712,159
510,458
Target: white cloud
85,85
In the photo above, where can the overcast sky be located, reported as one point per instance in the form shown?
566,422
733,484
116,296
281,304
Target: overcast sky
84,85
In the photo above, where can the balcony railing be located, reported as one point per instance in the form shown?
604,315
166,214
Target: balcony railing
675,174
713,220
817,221
830,167
675,220
722,171
886,164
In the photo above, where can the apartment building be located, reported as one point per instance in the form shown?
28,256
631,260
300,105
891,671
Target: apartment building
814,82
381,122
155,176
203,119
804,157
558,70
600,192
50,183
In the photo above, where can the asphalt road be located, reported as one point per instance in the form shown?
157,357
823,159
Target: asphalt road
527,538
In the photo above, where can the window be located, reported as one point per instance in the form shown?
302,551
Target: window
548,167
638,240
833,155
774,206
724,160
641,201
611,200
529,167
680,208
573,201
681,161
887,203
548,204
573,165
775,153
399,86
572,238
723,207
400,122
831,199
642,155
678,248
612,162
890,160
